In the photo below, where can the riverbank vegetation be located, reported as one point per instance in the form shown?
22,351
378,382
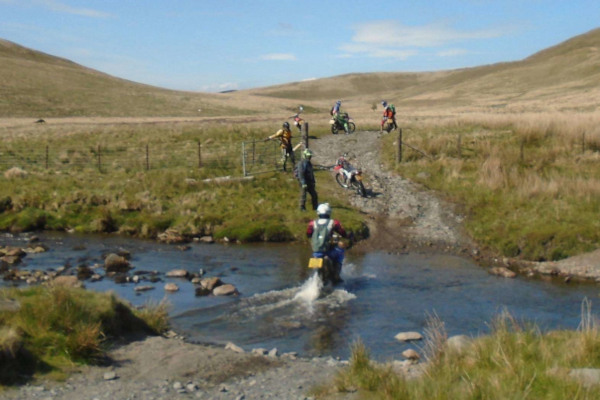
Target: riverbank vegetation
142,179
515,361
529,183
51,329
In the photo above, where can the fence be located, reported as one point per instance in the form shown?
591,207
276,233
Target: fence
215,160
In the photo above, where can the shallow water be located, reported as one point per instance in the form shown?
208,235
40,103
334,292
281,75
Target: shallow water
282,305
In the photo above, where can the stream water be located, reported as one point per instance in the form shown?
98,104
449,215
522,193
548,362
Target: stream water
282,305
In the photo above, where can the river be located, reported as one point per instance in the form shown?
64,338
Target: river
280,305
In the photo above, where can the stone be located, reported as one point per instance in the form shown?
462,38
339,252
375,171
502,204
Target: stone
68,281
588,377
458,343
171,236
225,290
210,283
408,336
233,347
259,351
273,352
15,173
143,288
116,263
177,385
171,287
178,273
410,354
502,272
207,239
202,291
109,376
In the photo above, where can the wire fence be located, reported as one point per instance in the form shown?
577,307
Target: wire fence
245,158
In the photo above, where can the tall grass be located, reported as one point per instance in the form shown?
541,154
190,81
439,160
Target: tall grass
57,327
515,361
529,184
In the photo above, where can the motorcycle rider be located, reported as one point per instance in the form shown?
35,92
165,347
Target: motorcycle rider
320,231
339,117
285,135
389,112
306,177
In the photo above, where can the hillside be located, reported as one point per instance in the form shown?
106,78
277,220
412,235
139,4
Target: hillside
564,77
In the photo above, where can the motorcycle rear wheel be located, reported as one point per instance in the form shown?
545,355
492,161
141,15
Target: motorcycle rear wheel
334,129
340,180
360,188
351,127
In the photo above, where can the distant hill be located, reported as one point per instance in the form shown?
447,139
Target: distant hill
565,76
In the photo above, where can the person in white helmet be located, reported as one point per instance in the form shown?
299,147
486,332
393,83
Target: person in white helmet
320,231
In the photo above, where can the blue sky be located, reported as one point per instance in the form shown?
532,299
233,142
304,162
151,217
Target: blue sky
211,45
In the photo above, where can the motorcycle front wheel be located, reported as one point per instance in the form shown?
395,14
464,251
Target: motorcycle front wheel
340,180
351,127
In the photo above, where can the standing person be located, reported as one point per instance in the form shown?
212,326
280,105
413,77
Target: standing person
320,231
339,117
285,135
306,177
389,112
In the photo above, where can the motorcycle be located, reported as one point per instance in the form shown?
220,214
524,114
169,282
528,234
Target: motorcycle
298,121
388,125
337,126
349,177
323,266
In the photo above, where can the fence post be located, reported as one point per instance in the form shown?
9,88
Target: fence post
399,154
199,155
244,158
459,145
253,149
305,135
522,150
583,143
147,158
99,158
46,156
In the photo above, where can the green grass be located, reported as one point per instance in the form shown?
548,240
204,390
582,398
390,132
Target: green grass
529,193
58,327
126,198
515,361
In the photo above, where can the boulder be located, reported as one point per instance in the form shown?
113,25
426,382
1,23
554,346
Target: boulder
225,290
458,343
410,354
35,249
503,272
207,239
234,347
116,263
15,173
143,288
68,281
210,283
171,236
178,273
408,336
171,287
13,251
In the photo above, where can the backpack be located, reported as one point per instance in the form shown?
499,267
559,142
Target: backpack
393,109
321,235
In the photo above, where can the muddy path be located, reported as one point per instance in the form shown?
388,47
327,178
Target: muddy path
401,214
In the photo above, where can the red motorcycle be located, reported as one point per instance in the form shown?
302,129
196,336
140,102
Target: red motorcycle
349,177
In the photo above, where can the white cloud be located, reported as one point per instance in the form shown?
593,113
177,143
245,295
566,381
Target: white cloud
220,87
308,79
392,39
278,57
59,7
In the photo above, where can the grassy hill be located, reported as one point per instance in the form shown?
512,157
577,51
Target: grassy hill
566,76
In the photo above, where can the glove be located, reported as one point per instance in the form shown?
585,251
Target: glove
304,186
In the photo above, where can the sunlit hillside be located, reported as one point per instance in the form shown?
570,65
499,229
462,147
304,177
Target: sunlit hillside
565,77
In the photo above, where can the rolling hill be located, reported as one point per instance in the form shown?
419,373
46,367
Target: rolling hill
563,77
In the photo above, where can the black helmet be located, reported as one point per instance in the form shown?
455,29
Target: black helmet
286,125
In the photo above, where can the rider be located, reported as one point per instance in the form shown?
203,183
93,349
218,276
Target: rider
285,135
389,112
339,117
320,231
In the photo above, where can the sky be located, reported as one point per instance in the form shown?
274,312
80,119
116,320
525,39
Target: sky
217,45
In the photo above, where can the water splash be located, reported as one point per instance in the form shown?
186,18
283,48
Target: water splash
310,290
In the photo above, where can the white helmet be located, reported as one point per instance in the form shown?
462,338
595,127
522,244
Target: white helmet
324,210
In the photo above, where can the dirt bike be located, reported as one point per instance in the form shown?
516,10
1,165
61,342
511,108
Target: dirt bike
298,121
337,126
349,177
388,125
324,267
